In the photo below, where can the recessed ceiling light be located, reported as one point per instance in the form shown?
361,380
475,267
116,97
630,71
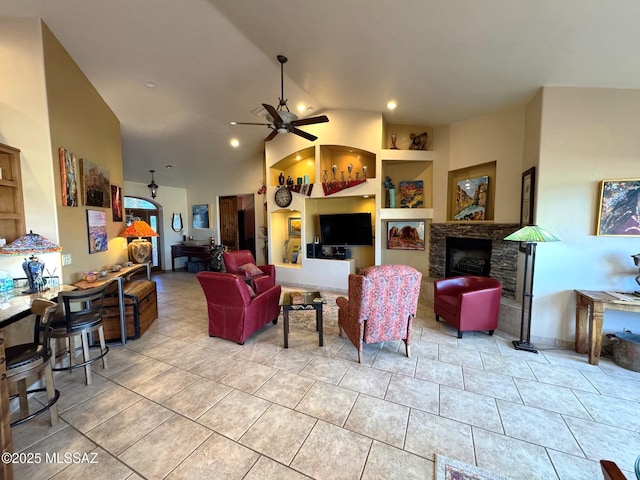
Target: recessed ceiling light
302,107
298,157
233,123
391,105
234,142
169,165
150,84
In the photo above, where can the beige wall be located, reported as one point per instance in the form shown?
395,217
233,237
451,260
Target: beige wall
83,123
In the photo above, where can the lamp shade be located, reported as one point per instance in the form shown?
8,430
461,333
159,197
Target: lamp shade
30,243
138,229
532,234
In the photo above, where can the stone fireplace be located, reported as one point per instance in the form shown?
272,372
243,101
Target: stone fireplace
472,246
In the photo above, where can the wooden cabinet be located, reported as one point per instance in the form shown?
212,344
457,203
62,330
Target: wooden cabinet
12,224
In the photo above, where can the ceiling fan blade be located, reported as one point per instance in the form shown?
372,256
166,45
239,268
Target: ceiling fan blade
273,112
251,123
302,134
310,121
271,135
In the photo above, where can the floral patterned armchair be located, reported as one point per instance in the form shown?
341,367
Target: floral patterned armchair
381,305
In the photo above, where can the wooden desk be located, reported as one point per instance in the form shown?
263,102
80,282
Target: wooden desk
590,307
206,252
120,276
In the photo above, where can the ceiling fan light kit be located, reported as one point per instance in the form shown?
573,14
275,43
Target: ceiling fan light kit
281,119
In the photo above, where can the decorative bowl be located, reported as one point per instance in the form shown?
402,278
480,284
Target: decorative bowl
90,277
103,273
115,268
127,264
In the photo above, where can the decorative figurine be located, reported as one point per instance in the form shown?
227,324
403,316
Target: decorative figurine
394,137
334,169
418,142
281,179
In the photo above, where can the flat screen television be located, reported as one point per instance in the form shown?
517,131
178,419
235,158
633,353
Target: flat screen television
346,229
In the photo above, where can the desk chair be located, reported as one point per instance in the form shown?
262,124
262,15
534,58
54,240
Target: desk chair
34,358
79,314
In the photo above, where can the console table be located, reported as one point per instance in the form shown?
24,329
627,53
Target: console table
206,252
590,307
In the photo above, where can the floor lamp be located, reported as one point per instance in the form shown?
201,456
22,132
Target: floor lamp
530,236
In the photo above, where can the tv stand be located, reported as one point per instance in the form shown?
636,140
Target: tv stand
327,273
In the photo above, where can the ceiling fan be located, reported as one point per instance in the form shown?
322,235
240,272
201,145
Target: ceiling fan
282,120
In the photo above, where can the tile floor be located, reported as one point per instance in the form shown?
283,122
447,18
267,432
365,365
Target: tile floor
177,404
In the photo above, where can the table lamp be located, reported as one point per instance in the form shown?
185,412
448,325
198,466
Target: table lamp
139,249
32,243
530,236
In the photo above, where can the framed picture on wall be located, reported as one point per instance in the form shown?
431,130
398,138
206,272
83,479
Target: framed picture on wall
405,235
471,198
201,216
97,230
69,178
619,212
295,226
526,197
95,185
116,203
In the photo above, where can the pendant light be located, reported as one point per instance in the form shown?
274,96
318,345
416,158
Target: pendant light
153,186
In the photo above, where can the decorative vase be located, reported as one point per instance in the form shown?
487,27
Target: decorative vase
334,169
394,137
342,176
350,169
324,176
364,171
281,179
392,198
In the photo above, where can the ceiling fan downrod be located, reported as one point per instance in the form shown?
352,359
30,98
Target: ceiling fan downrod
283,103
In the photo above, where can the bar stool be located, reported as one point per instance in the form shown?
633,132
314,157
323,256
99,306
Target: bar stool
27,359
81,314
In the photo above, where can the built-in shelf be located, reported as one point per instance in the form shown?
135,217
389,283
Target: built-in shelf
406,213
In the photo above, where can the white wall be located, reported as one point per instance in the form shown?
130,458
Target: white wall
587,135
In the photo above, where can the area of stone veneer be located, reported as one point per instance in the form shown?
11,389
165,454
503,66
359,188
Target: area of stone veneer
504,254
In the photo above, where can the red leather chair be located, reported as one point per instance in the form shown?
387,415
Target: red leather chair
381,305
468,303
234,314
241,262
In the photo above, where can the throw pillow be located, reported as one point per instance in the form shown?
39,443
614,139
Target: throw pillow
250,269
252,292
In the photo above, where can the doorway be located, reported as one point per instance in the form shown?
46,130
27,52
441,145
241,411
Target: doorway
136,208
237,222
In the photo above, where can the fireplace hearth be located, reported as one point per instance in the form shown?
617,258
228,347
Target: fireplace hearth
502,259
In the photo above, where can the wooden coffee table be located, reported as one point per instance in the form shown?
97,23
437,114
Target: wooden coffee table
311,301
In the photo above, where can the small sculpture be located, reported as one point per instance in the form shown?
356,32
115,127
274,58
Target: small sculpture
418,142
394,138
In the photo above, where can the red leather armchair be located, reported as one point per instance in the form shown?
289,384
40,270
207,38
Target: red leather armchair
381,305
468,303
241,262
233,313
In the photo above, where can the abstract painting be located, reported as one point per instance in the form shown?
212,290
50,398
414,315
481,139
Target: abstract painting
619,212
201,216
69,178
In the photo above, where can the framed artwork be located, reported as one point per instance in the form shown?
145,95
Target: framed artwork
295,226
68,178
201,216
405,235
412,194
116,203
619,212
526,197
97,230
471,198
95,185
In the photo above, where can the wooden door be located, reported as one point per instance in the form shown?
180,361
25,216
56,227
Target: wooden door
229,221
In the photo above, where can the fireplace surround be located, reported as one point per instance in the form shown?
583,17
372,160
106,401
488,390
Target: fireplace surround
503,257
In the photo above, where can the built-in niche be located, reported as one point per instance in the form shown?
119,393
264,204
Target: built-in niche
471,193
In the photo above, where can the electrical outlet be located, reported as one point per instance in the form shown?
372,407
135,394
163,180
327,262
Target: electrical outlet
66,259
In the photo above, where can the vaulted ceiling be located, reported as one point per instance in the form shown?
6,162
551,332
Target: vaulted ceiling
214,61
